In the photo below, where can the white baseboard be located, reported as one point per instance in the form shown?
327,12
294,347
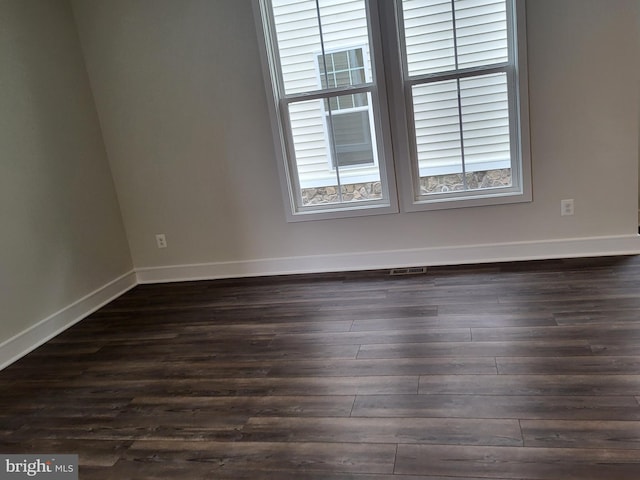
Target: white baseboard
31,338
457,255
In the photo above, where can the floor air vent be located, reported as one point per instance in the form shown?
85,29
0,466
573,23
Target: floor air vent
408,271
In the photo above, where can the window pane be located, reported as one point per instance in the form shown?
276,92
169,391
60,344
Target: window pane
298,37
485,127
311,147
300,44
342,78
340,62
353,138
477,158
428,28
480,34
354,174
437,128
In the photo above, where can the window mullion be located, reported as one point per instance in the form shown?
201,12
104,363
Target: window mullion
461,127
328,92
455,35
465,186
331,135
324,94
452,75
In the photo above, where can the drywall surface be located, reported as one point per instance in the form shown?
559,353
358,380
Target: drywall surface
61,232
180,95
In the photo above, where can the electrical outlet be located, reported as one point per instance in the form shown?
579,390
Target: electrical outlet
161,240
566,207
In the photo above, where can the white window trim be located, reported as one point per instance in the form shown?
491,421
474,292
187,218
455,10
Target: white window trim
403,129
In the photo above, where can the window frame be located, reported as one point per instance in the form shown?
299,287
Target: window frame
392,118
278,101
403,127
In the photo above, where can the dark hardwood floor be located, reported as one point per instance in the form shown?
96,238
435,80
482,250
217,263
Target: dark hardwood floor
526,371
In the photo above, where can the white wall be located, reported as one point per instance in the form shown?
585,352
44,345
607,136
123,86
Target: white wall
180,95
61,233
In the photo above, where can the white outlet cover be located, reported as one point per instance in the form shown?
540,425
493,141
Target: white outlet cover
161,240
566,207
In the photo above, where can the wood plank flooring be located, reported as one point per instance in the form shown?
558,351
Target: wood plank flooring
527,371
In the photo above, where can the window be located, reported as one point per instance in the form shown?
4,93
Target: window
456,95
329,106
464,101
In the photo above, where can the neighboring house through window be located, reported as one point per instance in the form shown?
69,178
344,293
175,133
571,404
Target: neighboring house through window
349,114
445,118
